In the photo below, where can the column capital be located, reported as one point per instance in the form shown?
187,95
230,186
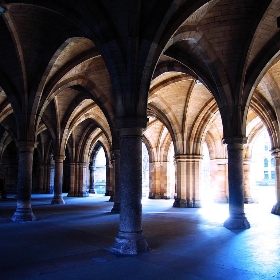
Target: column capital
115,154
275,152
221,161
188,158
131,123
235,143
247,161
26,146
59,158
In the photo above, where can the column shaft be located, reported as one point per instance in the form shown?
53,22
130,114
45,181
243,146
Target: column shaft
219,176
130,239
81,179
91,178
247,182
181,182
117,193
109,189
276,208
58,180
237,219
23,211
188,180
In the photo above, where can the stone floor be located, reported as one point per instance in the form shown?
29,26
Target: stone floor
71,241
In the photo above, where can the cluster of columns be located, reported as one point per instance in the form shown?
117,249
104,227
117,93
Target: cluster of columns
127,166
187,180
158,179
78,179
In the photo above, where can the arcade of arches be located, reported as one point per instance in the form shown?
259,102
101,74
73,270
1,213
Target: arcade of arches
78,76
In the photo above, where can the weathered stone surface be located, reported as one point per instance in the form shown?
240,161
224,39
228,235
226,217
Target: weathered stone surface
130,244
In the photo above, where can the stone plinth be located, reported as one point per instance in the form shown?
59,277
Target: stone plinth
276,209
130,244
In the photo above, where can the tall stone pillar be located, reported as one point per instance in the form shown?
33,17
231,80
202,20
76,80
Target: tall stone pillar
276,154
181,182
47,174
188,179
130,240
24,211
73,177
194,180
58,179
91,178
81,179
112,180
247,182
237,219
51,182
155,179
109,186
117,193
42,186
220,180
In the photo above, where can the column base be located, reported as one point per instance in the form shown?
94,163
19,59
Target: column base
196,203
248,200
116,208
186,203
23,215
58,200
91,191
130,244
221,200
180,203
71,194
108,193
276,209
83,194
158,196
237,222
155,195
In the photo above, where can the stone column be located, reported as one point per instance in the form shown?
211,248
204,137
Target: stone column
82,186
51,185
42,186
155,179
91,178
181,181
276,154
164,182
188,179
237,219
58,179
109,188
220,180
112,180
247,182
72,190
130,240
117,195
23,211
194,180
47,170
